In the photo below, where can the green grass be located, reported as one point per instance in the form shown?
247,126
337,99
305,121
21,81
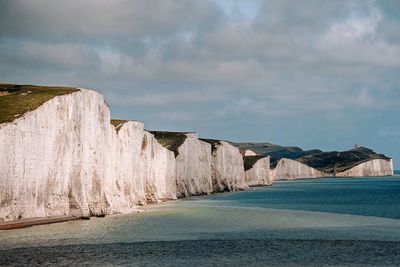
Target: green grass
214,143
273,162
170,140
290,152
335,161
16,100
118,124
249,161
329,162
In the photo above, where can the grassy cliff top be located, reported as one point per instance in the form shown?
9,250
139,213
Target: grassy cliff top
16,100
335,161
118,123
249,161
273,162
214,143
329,162
170,140
290,152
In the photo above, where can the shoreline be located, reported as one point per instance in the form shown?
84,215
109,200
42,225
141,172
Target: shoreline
23,223
28,222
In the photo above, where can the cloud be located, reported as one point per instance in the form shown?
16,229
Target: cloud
92,19
240,9
363,99
62,55
390,132
110,61
163,99
351,39
324,68
352,30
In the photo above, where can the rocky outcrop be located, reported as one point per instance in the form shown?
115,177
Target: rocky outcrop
287,169
375,167
227,170
258,170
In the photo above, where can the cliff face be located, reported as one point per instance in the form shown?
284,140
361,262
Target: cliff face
158,170
193,167
227,170
65,158
316,163
259,173
249,152
144,170
53,160
291,169
376,167
124,183
339,162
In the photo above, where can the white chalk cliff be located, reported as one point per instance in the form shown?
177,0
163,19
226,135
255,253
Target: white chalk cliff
143,171
158,170
249,152
227,170
375,167
260,173
124,181
193,167
66,158
54,160
288,169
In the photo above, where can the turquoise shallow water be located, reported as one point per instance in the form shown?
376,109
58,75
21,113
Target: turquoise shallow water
307,222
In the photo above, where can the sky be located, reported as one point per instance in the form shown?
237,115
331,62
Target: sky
312,73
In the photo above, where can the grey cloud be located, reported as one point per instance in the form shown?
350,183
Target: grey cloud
94,20
42,55
390,131
326,69
164,99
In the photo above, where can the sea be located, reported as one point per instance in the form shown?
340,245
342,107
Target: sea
310,222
